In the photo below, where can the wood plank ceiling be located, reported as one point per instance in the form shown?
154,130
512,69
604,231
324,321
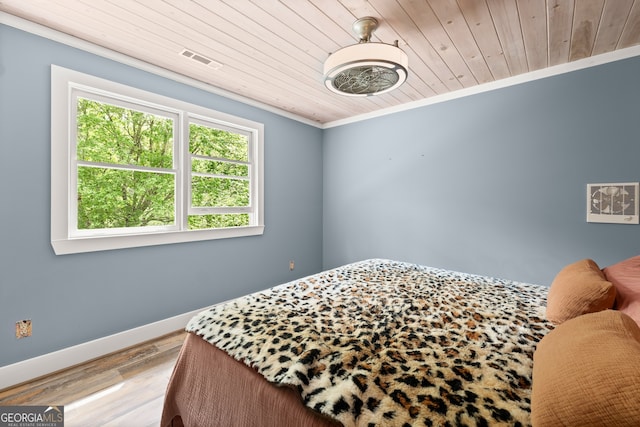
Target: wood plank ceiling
272,51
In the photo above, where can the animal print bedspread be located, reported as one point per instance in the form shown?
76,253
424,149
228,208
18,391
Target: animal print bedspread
386,343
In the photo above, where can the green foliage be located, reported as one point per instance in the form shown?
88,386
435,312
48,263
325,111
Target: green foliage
219,168
217,143
112,140
198,222
120,136
219,192
223,173
112,198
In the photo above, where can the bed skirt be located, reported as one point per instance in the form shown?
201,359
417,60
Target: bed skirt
234,395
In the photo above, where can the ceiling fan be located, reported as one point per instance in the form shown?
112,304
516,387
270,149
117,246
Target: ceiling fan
366,68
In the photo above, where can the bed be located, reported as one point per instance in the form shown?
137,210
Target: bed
372,343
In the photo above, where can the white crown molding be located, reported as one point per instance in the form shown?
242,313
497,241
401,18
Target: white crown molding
29,369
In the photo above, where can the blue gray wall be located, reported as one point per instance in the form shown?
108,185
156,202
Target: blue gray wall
493,183
72,299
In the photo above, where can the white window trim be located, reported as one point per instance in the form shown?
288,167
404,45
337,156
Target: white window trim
63,81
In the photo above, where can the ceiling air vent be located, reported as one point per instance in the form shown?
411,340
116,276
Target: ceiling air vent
201,59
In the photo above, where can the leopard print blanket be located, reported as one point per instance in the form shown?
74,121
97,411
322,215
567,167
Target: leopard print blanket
387,343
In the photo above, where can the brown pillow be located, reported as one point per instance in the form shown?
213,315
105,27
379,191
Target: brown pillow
579,288
586,372
625,276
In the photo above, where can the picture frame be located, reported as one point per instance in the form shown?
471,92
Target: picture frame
615,203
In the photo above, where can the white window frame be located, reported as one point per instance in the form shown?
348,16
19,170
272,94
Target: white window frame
66,239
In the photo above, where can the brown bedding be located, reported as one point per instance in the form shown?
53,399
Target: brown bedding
208,388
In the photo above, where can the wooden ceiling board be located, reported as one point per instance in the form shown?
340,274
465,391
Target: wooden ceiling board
560,26
610,29
480,23
533,20
631,32
586,21
451,18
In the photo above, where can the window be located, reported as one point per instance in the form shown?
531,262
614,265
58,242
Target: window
132,168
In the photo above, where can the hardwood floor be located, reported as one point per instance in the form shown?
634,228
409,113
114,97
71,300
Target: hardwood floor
121,389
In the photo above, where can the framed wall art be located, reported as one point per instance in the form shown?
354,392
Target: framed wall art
613,203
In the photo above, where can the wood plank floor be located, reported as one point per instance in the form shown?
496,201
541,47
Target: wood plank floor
121,389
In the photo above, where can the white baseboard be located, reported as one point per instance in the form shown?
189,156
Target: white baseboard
30,369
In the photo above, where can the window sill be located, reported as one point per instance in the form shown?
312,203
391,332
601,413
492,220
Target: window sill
105,243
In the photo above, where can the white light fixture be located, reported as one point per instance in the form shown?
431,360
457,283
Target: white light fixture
366,68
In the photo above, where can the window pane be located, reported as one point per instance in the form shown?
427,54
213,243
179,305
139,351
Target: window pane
211,142
113,198
219,192
201,222
111,134
219,168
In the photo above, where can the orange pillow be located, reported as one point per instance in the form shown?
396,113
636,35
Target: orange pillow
586,372
579,288
625,276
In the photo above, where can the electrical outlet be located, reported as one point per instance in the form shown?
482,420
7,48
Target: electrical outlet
23,328
291,265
